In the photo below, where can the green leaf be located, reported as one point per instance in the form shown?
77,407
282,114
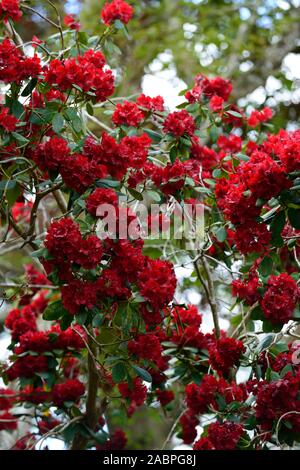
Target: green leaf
29,87
90,109
265,267
119,372
266,342
221,234
155,136
107,183
57,123
54,311
294,217
136,194
142,373
20,138
97,320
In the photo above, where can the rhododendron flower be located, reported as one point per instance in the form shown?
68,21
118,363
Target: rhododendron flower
216,103
225,354
116,10
221,436
179,123
7,121
259,116
153,104
70,21
71,390
10,9
127,114
279,300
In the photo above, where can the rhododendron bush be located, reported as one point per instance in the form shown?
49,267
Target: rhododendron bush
99,326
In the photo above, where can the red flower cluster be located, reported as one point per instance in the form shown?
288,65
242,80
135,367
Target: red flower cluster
51,155
71,390
7,121
220,436
225,354
116,158
66,244
116,10
70,21
10,9
98,197
209,88
127,114
259,116
279,300
14,67
179,123
153,104
145,346
136,393
86,72
276,398
157,282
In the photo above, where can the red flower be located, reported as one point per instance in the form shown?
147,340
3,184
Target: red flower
280,298
8,422
157,282
216,103
79,294
117,441
51,155
100,196
6,398
116,10
179,123
188,423
225,354
10,9
71,390
136,393
165,396
70,21
127,114
259,116
7,121
145,346
27,366
225,436
153,104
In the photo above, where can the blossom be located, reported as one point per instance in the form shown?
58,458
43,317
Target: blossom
179,123
225,354
79,294
153,104
157,282
51,155
165,396
224,436
116,10
259,116
127,114
279,300
98,197
216,103
70,390
7,121
136,393
10,9
70,21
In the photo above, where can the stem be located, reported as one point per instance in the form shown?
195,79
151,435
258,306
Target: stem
60,201
210,293
92,412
